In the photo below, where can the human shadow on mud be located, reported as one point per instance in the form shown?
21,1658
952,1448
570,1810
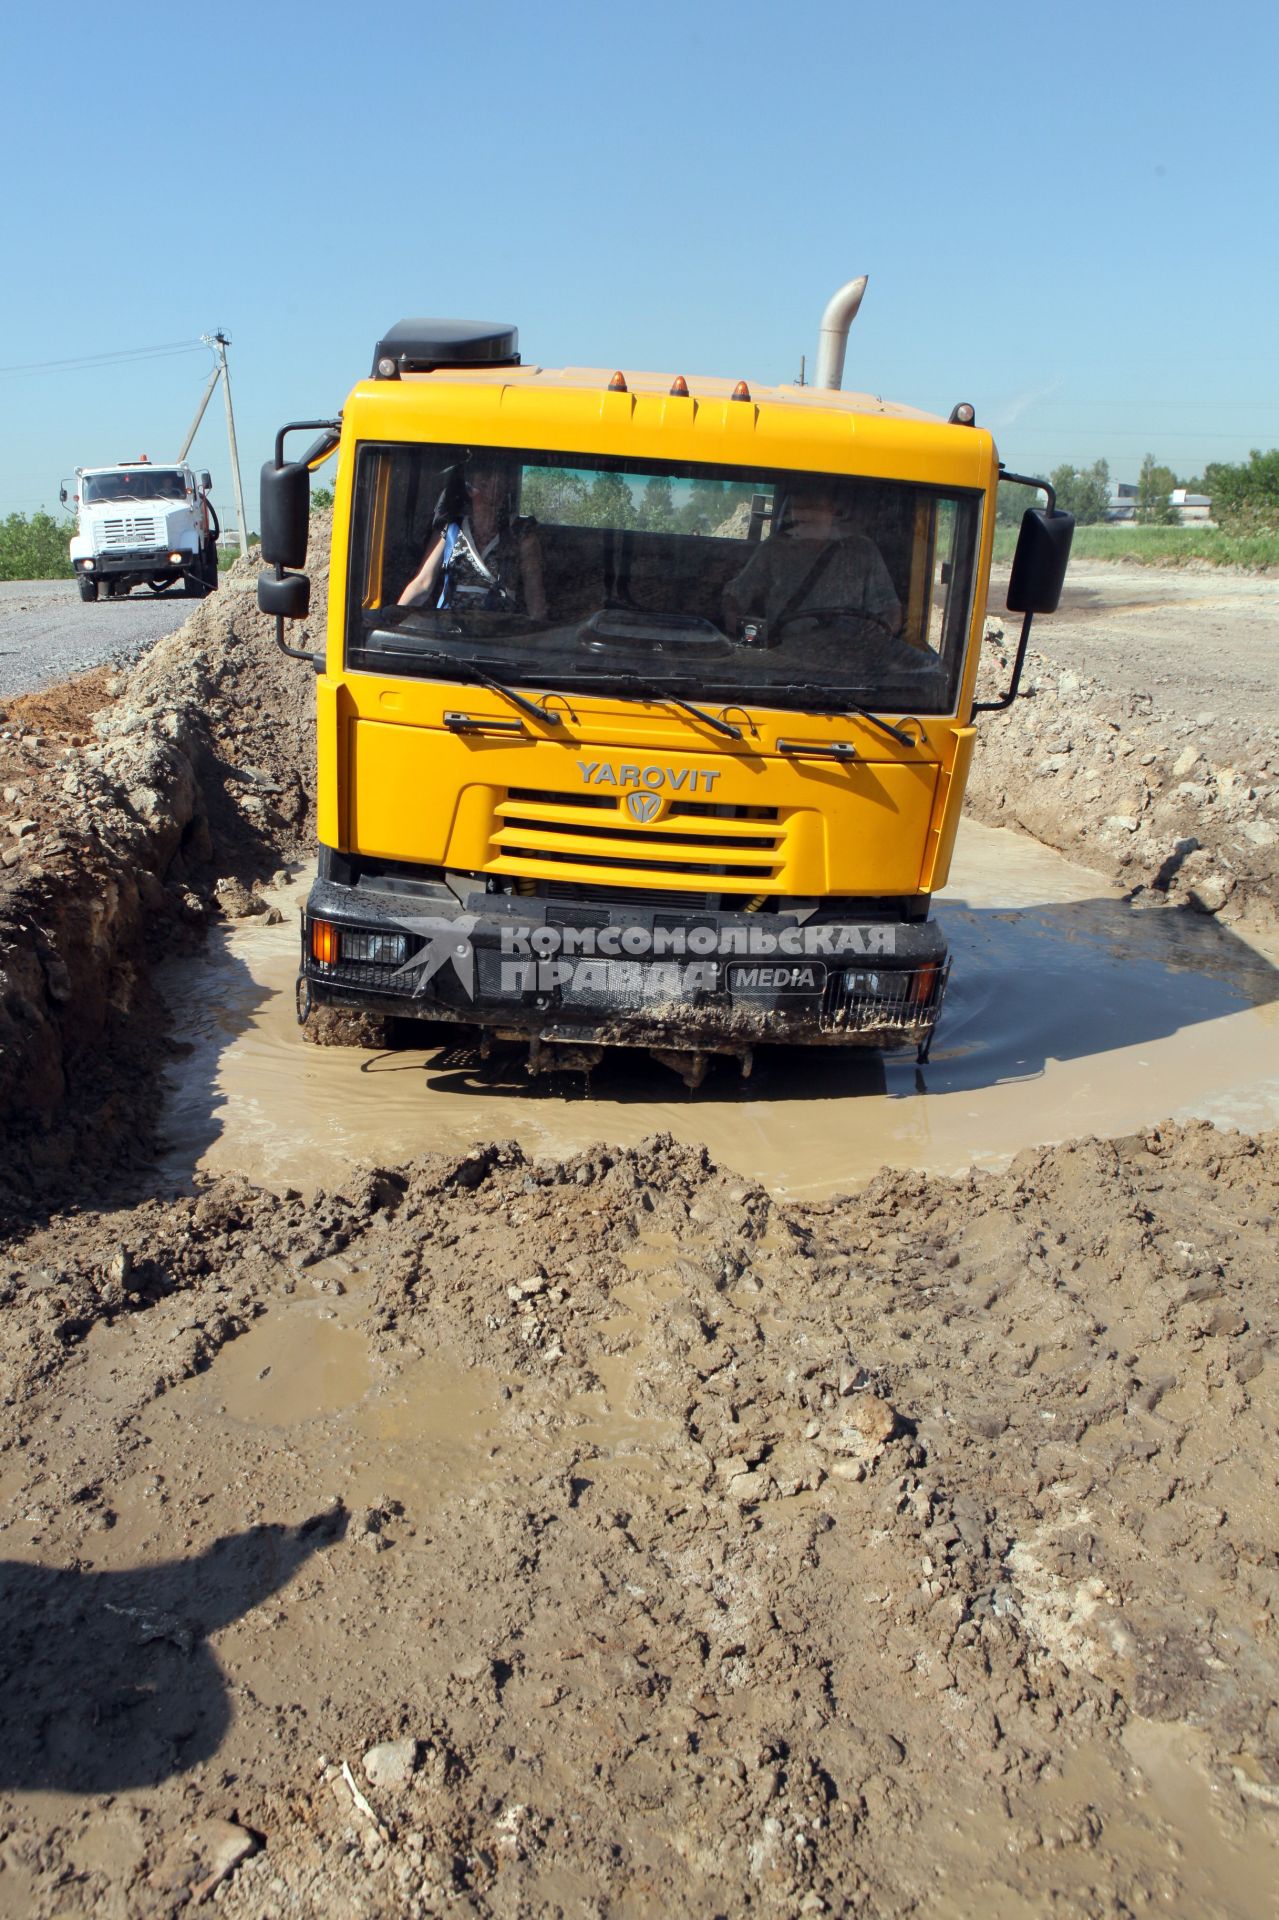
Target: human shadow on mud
107,1679
1063,980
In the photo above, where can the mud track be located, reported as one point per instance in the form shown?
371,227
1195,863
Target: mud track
599,1533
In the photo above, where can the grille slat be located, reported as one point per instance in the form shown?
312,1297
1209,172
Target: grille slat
138,530
537,831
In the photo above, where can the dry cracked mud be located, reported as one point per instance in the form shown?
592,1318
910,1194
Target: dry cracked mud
597,1532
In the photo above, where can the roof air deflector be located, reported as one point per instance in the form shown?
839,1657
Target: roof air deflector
423,346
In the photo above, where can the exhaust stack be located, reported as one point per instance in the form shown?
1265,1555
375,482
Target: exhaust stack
841,311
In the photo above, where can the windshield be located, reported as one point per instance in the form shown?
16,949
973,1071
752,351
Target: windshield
715,583
133,483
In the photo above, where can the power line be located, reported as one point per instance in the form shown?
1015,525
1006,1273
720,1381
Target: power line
125,356
1138,434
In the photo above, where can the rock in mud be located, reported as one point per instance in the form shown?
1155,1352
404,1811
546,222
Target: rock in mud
392,1763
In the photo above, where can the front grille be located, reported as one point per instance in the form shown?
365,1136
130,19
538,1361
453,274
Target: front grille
360,973
875,999
138,530
537,833
574,893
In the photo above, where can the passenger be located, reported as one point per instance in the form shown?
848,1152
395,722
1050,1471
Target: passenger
481,554
813,560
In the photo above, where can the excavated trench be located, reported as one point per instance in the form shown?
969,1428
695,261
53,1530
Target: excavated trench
848,1491
1070,1013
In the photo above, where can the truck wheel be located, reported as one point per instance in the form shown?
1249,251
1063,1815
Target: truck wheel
211,564
88,588
193,581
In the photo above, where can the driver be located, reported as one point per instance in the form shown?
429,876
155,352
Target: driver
480,553
813,560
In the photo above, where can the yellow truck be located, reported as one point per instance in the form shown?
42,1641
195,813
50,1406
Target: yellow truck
647,701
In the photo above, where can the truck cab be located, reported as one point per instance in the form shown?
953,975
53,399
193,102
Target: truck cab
143,524
647,701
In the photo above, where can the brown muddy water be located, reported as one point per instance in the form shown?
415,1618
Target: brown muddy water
1069,1013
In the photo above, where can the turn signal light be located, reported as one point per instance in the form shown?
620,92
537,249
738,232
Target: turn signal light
921,987
963,415
324,942
679,386
618,383
741,391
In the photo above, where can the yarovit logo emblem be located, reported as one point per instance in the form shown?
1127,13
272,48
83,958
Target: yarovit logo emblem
643,806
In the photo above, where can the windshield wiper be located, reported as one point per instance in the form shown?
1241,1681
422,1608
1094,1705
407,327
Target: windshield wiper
637,690
477,676
826,702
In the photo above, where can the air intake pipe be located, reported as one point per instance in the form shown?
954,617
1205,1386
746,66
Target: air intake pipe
841,311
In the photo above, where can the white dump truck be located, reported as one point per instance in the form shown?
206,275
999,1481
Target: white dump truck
143,524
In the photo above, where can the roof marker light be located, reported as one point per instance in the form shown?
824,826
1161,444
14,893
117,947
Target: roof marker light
963,415
618,384
741,391
679,386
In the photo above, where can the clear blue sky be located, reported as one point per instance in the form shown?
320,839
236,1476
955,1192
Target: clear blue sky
1068,214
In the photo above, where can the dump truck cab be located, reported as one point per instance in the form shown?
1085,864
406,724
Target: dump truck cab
646,706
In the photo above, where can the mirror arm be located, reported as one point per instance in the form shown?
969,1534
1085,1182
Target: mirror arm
328,427
1027,480
330,430
294,653
998,706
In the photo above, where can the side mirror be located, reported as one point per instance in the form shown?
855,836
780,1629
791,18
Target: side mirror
206,481
285,511
1039,564
62,495
289,597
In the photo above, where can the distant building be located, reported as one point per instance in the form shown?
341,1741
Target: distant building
1192,509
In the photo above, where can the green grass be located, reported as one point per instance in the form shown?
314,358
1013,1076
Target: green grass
1162,546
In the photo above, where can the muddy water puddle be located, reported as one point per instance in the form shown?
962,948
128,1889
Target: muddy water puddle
1069,1013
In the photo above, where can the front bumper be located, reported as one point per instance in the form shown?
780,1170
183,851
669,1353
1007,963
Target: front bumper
147,561
610,974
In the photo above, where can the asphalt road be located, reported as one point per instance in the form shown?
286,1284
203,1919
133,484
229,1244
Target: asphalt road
47,633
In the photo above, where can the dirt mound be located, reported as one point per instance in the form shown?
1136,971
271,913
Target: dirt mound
907,1553
129,798
1183,810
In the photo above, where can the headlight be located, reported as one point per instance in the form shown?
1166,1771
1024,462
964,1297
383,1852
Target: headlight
379,949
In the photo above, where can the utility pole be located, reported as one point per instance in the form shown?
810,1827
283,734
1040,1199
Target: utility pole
220,342
214,377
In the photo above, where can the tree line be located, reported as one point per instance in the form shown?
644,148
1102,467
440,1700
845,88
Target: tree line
1245,496
34,547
